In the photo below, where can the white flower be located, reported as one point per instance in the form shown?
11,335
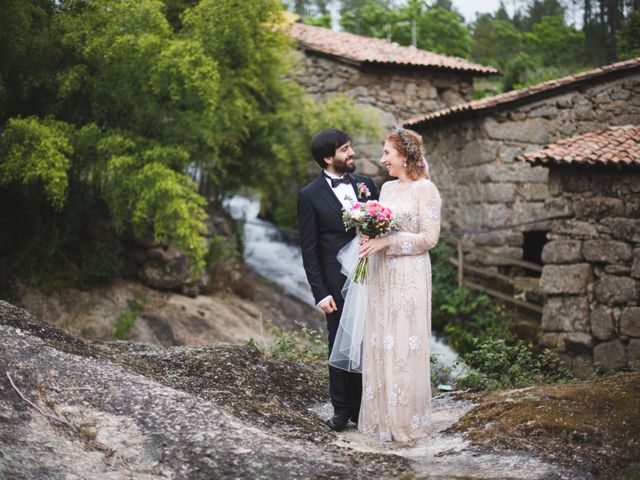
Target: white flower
389,342
369,393
414,342
433,212
374,339
415,422
357,214
393,399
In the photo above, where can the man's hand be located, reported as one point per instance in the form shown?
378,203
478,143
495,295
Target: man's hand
328,306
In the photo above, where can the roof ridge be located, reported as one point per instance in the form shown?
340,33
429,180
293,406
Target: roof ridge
617,145
527,92
363,49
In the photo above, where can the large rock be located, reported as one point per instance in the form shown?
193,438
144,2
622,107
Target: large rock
562,251
633,353
630,322
635,266
133,411
166,270
606,251
612,289
574,228
535,130
516,172
599,207
602,326
478,152
498,193
624,228
579,342
565,279
610,355
567,314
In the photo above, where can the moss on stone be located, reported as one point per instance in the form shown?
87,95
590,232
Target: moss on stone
592,424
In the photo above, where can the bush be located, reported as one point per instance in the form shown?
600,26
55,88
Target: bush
304,345
495,364
127,319
460,313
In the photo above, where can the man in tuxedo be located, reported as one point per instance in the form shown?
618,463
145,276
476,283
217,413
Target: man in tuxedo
322,235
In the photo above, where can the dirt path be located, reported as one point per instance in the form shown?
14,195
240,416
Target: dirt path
446,455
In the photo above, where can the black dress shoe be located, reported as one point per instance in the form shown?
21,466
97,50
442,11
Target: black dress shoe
337,423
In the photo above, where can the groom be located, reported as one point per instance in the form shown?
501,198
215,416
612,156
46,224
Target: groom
322,235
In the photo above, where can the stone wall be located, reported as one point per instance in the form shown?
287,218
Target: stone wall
591,275
396,93
473,161
399,91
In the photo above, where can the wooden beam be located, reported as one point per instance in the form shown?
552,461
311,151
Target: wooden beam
483,272
509,260
503,296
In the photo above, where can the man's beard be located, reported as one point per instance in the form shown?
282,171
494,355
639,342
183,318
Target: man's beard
341,166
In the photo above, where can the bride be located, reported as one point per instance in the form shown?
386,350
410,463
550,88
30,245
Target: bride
396,324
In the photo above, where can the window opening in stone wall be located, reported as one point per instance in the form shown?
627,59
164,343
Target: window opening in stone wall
532,246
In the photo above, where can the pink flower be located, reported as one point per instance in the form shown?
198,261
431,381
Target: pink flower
363,190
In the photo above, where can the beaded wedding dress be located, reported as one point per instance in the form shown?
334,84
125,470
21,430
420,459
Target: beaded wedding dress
396,386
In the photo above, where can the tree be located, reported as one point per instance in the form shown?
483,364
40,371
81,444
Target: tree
118,122
371,19
443,31
629,36
537,10
555,43
437,29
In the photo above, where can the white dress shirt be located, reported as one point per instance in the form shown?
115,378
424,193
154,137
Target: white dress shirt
341,191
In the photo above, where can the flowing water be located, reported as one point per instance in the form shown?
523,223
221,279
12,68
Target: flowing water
267,253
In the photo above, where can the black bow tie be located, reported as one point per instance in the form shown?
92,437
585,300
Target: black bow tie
337,181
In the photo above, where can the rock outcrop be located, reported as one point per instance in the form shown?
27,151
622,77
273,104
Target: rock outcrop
71,408
124,410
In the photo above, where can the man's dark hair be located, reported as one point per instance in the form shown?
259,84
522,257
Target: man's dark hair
325,143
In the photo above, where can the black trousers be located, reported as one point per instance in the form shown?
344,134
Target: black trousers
345,388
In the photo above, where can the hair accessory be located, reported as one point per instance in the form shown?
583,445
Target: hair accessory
408,145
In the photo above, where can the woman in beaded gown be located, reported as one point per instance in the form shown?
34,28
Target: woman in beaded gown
396,385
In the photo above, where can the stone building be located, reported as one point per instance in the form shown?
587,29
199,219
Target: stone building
474,150
591,273
398,81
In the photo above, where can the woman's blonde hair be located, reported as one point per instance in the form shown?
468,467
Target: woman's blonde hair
409,144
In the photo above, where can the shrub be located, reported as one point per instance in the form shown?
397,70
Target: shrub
495,364
304,345
127,319
463,315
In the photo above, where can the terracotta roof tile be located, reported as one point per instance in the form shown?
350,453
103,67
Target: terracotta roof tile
530,93
359,49
619,146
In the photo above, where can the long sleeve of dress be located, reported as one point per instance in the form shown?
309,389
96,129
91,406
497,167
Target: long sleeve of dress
407,243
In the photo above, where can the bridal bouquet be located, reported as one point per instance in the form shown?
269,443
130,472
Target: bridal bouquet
371,219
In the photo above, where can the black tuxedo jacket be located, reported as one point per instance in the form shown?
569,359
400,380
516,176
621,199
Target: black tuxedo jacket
323,234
